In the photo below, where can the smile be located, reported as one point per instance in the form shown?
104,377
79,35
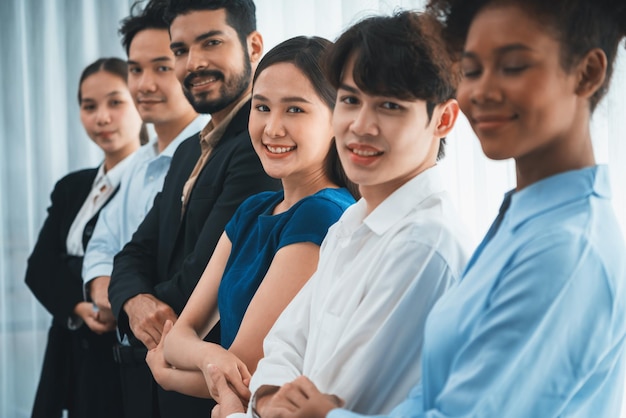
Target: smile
279,150
365,153
203,82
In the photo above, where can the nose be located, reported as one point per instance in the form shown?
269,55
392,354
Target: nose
103,116
485,89
146,83
364,123
196,60
274,127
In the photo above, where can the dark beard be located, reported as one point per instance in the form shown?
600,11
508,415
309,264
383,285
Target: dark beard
230,91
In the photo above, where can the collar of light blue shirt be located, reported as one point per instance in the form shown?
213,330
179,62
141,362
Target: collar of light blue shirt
557,190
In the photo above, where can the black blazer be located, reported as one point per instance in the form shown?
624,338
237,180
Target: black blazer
166,256
53,276
78,371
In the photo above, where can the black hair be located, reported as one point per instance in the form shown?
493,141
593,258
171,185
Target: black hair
151,17
116,67
579,26
240,14
401,56
306,53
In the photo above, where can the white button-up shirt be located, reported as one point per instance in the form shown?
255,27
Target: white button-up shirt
356,327
121,217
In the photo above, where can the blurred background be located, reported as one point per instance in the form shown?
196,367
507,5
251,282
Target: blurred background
45,44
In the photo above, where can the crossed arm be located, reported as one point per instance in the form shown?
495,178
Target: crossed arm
184,348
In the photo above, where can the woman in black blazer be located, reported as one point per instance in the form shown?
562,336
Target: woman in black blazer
79,374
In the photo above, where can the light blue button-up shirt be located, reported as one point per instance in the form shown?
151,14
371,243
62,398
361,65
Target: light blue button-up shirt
537,325
121,217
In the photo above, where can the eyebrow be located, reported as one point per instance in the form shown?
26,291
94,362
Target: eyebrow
157,59
198,38
290,99
346,87
500,51
89,99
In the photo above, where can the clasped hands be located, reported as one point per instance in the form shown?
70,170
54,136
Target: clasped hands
221,369
298,399
97,315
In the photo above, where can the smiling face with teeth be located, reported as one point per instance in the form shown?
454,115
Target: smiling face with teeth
384,142
290,125
211,63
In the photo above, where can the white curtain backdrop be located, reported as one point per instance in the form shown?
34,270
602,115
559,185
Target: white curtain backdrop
45,44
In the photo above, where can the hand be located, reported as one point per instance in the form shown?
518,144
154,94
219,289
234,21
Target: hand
99,292
104,315
156,362
146,317
87,313
228,401
300,399
233,370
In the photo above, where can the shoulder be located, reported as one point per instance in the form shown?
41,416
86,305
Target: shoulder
191,144
326,200
435,221
260,201
76,178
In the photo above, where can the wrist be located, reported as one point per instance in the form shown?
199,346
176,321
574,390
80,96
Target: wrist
260,398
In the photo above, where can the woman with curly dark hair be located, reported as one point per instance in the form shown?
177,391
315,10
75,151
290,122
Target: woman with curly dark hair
537,325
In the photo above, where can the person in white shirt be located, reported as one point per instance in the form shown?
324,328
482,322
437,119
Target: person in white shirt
356,327
160,101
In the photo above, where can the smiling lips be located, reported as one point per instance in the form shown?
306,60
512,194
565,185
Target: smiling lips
105,134
275,151
489,122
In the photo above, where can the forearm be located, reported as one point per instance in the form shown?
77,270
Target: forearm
187,382
184,349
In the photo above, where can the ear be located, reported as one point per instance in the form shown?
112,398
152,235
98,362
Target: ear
445,114
255,46
591,73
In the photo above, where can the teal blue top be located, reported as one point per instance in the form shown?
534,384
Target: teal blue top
257,235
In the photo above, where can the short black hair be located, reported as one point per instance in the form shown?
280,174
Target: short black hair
579,26
240,14
150,17
401,56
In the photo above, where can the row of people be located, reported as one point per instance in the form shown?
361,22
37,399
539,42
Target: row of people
547,275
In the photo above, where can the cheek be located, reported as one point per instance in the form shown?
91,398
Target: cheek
340,123
463,96
131,119
87,121
179,71
255,128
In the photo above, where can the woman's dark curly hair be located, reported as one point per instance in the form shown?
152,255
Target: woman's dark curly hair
579,25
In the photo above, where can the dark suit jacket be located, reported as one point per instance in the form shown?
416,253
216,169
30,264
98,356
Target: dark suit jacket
52,275
78,371
167,255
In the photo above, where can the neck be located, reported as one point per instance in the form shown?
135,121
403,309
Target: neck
295,190
218,117
167,131
376,194
571,152
114,158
